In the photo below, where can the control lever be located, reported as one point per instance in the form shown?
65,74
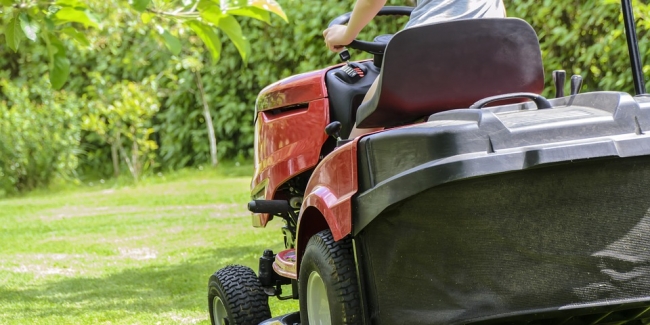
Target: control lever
576,84
345,56
349,73
334,130
559,78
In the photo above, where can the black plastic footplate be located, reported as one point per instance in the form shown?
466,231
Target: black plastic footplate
288,319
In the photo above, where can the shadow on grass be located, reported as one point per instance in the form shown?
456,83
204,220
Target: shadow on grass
152,289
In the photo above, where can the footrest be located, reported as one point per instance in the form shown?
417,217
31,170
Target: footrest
285,264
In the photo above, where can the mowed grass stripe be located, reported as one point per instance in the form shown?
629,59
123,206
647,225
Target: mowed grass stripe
131,255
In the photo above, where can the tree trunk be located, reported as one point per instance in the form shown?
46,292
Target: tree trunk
137,164
208,121
116,159
128,161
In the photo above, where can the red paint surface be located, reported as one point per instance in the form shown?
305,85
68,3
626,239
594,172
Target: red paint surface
288,143
291,145
330,190
298,89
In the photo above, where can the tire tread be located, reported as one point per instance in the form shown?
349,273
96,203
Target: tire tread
343,274
242,294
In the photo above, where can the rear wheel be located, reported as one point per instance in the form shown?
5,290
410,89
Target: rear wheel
236,297
329,292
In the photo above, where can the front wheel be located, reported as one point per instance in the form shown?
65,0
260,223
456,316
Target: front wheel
236,297
329,291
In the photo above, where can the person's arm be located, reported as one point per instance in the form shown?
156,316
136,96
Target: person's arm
339,35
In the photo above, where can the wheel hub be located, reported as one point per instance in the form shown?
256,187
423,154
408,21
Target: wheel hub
219,312
318,307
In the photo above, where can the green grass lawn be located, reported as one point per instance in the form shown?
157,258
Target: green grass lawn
131,255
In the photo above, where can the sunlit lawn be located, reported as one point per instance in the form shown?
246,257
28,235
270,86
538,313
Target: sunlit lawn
130,255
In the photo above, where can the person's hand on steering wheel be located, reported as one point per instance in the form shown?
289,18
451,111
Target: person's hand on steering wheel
336,37
339,35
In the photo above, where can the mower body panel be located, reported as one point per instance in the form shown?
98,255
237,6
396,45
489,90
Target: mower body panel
294,90
291,117
508,214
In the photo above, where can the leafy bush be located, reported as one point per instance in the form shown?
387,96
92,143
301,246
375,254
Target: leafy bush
582,37
39,136
586,38
120,116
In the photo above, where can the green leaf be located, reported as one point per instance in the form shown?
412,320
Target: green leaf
172,43
147,17
76,35
30,27
230,26
270,6
60,71
68,14
13,33
210,12
208,36
254,8
71,3
60,65
140,5
49,24
7,2
252,12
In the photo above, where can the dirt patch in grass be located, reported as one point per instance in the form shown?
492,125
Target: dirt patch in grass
42,271
40,265
216,211
143,253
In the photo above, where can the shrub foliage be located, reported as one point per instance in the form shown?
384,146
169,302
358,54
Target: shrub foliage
123,65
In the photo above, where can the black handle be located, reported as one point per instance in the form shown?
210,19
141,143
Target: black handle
269,206
344,55
539,100
559,79
333,129
576,84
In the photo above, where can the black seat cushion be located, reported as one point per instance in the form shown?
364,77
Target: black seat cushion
450,65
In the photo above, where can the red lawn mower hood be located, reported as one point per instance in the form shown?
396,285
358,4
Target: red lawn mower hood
291,91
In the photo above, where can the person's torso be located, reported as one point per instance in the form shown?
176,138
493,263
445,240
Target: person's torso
432,11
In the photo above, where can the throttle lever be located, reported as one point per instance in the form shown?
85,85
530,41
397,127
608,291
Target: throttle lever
576,84
559,79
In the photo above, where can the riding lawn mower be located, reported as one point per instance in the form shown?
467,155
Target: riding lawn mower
480,201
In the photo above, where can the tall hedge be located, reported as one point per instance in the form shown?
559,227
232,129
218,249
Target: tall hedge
586,38
582,37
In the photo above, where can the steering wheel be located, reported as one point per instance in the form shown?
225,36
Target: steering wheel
376,47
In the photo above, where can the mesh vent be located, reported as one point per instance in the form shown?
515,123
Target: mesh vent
569,236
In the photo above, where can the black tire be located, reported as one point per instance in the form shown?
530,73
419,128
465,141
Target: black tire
241,296
334,263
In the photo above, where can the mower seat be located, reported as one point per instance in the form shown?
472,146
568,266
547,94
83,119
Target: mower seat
449,65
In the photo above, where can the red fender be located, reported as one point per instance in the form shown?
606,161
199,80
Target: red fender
330,191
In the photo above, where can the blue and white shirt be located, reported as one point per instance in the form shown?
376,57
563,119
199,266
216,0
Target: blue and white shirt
433,11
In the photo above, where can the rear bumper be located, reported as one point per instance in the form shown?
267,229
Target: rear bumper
539,243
